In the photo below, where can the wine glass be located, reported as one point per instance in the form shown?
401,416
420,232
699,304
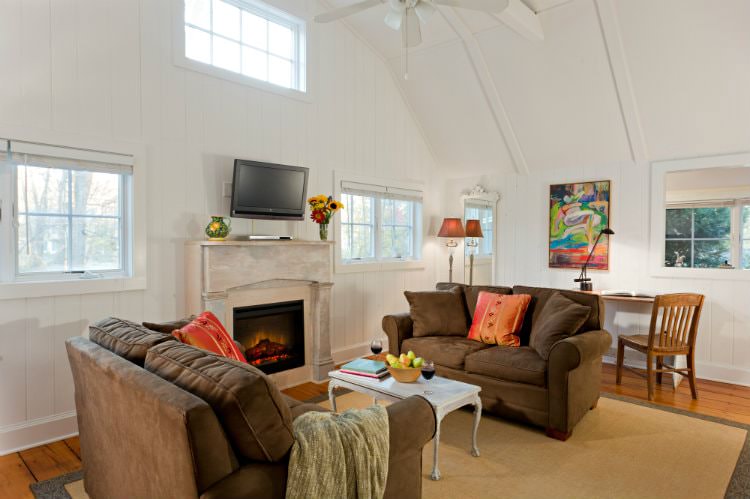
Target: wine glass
376,346
428,371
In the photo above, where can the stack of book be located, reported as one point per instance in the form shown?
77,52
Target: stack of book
365,367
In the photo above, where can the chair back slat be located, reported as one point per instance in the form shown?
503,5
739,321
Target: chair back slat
678,327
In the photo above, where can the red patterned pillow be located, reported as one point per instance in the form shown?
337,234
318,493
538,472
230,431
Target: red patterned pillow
498,318
207,332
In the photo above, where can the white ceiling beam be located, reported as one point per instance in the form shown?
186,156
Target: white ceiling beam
618,65
482,71
521,19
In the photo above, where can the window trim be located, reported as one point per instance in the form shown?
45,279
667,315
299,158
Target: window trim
659,171
733,238
342,266
93,147
302,41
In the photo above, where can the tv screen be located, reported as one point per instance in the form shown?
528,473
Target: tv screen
268,191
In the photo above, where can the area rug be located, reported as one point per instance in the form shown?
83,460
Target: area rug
623,449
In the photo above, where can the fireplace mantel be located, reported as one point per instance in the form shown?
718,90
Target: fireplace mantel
227,274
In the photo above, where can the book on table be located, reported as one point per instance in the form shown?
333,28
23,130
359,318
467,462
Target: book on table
365,367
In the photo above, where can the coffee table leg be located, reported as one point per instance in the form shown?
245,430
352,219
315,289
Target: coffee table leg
332,395
435,446
477,418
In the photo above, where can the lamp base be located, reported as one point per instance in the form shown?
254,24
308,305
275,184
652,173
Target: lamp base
587,286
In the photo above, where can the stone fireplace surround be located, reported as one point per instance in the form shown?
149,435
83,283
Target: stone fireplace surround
221,276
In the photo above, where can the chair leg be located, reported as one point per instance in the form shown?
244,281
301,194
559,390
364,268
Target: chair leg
691,376
659,366
620,358
650,375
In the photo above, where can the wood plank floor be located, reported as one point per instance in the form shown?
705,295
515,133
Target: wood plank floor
722,400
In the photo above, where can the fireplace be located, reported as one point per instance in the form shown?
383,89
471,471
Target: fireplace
273,335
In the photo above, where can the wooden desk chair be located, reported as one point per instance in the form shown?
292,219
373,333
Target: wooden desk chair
680,314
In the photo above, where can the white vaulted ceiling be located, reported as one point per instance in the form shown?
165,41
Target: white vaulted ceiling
611,80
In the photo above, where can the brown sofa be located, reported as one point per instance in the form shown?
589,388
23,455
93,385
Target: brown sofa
143,436
516,382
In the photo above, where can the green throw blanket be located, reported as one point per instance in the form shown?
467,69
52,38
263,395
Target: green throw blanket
339,456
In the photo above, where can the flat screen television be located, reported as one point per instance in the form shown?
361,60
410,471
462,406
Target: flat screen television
268,191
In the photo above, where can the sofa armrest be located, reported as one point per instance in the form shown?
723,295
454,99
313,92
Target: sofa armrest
397,327
411,425
574,372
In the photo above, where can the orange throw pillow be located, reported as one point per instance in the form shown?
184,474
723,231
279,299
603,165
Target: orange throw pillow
498,318
207,332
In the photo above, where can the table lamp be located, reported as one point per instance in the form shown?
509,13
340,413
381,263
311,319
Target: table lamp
452,229
473,231
583,278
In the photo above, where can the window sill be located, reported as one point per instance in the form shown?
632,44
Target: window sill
38,289
354,268
713,274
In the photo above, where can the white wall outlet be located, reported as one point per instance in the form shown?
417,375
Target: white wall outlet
226,189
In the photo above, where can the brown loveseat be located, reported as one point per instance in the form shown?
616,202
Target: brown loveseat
144,436
517,383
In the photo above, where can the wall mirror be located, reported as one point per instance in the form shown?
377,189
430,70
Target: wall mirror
701,217
479,252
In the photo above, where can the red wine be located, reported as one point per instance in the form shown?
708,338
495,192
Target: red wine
376,349
428,373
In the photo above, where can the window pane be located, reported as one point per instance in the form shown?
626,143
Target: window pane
746,222
226,54
96,193
254,63
388,209
226,20
711,254
96,244
402,212
280,72
712,223
280,40
677,254
42,244
401,242
254,31
360,209
198,13
679,223
197,45
42,190
746,254
362,246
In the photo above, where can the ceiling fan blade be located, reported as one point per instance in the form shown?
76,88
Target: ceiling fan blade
394,18
483,5
424,10
411,32
341,12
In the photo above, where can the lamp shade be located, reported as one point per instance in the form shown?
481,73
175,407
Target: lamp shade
452,227
473,228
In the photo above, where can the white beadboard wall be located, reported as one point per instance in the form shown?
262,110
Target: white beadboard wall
724,336
103,69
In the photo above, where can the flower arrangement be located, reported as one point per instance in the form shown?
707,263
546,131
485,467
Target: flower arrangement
323,207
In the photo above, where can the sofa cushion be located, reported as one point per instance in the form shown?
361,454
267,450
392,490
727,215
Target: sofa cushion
256,417
170,326
540,296
438,313
207,332
498,318
471,293
561,317
448,351
522,364
126,339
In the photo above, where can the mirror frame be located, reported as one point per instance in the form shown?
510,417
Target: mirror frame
493,198
659,171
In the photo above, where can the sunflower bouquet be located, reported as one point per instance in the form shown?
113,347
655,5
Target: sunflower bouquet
323,207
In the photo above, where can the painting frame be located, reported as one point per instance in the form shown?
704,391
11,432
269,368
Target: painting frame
568,244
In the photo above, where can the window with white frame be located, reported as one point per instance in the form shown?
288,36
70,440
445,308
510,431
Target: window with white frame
745,215
380,223
248,38
70,213
475,210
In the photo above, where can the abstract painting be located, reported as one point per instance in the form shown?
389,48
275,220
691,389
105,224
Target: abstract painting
577,213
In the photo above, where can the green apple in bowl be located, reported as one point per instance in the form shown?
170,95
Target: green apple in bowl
417,363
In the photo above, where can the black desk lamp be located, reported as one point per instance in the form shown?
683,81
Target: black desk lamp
583,278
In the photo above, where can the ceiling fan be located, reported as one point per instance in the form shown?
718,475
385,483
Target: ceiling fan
401,14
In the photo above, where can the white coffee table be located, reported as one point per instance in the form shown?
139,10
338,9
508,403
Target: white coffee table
447,395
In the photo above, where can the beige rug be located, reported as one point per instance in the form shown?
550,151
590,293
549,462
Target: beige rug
619,450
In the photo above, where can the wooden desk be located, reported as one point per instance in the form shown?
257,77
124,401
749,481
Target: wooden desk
628,299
